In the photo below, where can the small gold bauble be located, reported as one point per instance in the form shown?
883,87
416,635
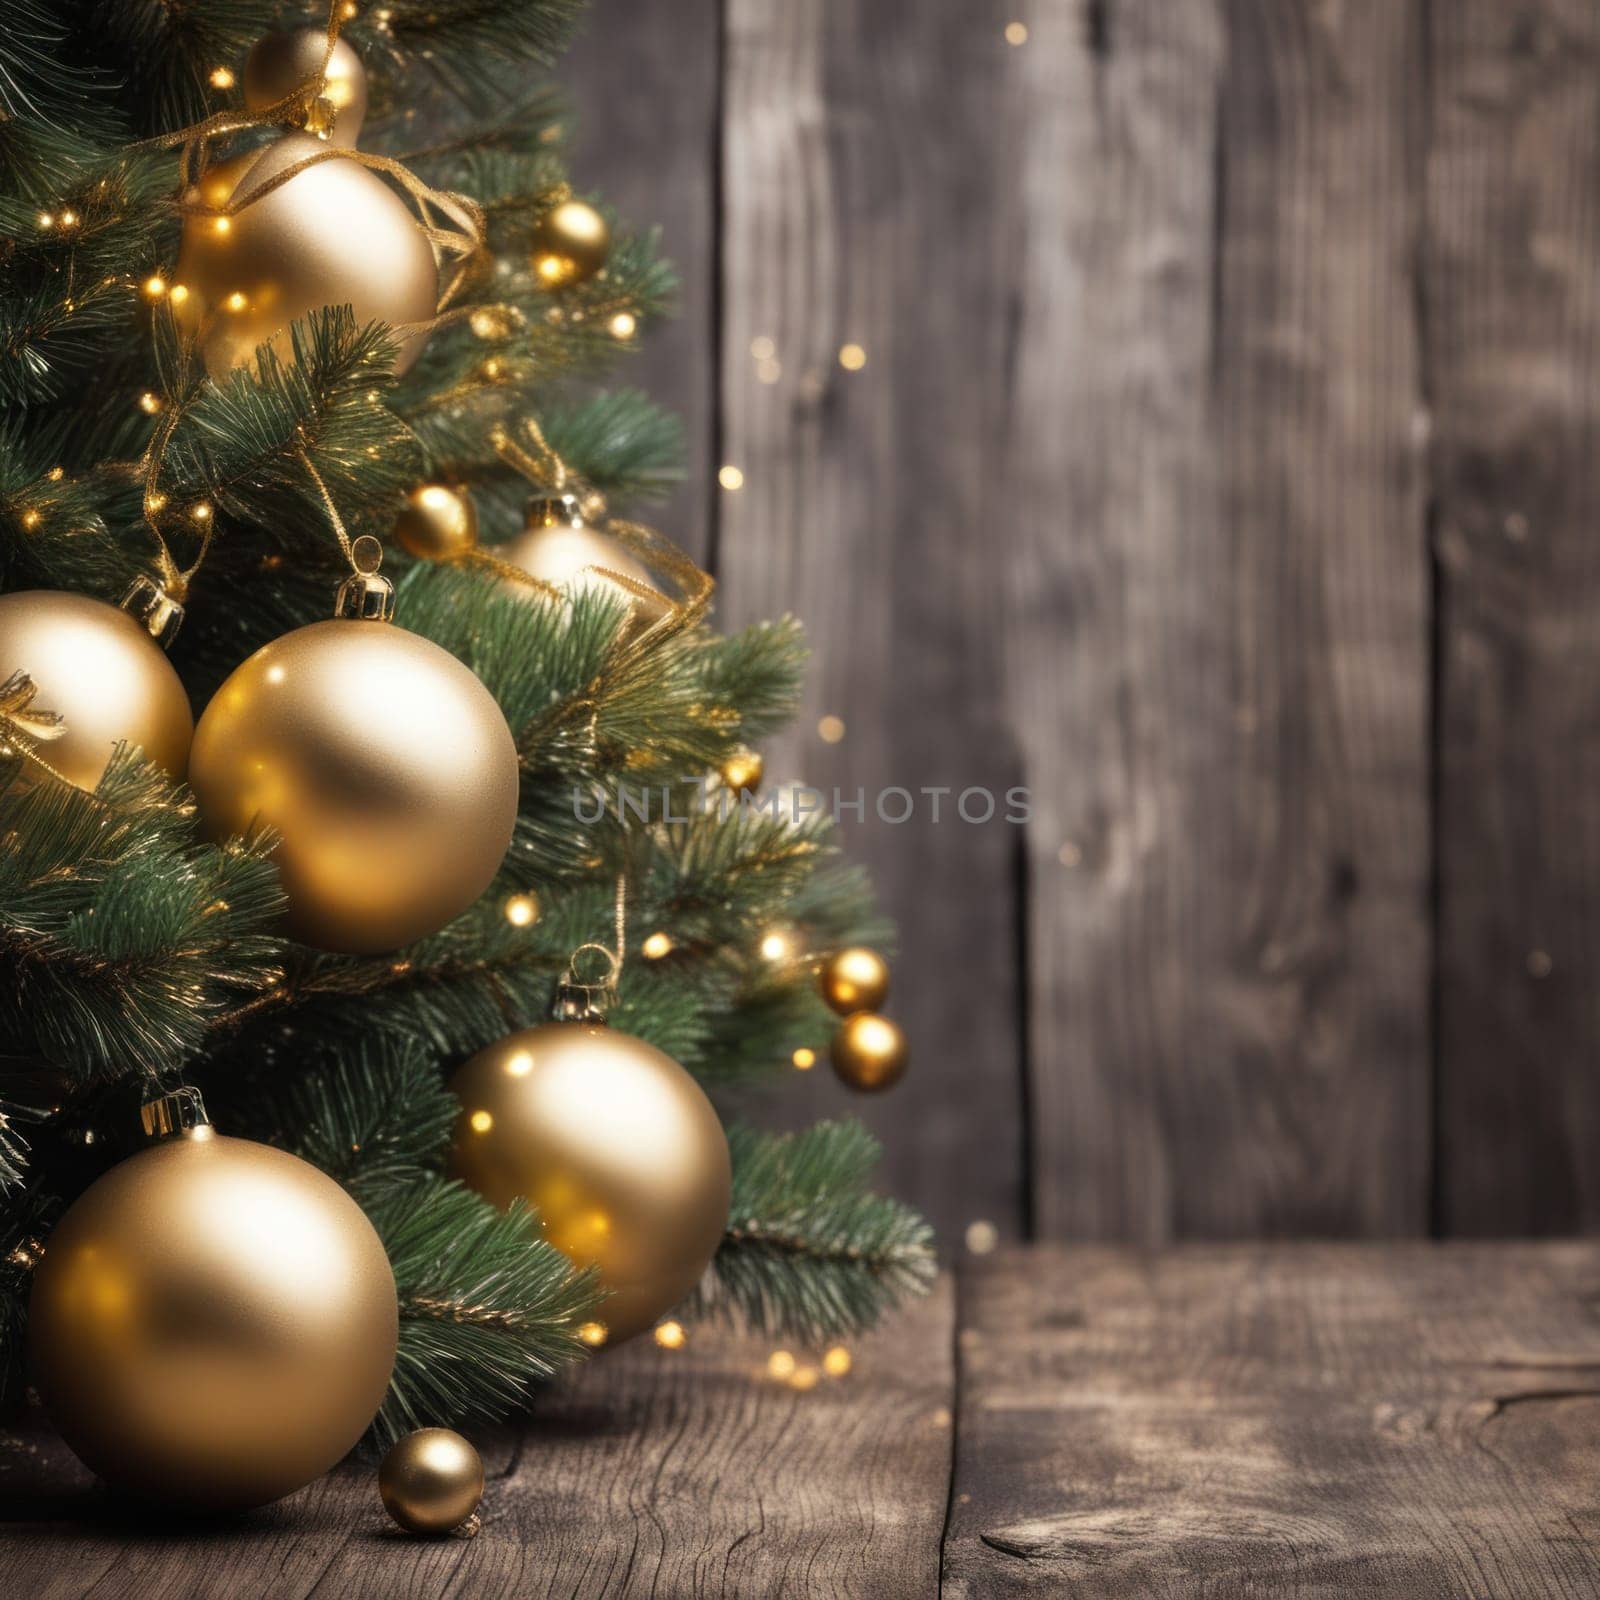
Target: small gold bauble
570,244
615,1146
102,674
213,1324
869,1052
558,546
436,523
742,771
280,63
383,765
431,1481
334,234
855,979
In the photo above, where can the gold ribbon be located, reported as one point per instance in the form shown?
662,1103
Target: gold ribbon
25,726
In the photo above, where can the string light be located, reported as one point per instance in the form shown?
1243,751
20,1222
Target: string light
46,220
804,1058
222,225
30,519
836,1362
670,1335
852,357
56,474
777,945
623,325
200,511
982,1237
522,910
480,1121
780,1364
153,287
1069,855
656,946
179,294
490,322
1016,33
762,348
236,301
150,403
69,219
154,503
592,1334
222,77
349,11
493,367
830,729
730,477
804,1378
769,371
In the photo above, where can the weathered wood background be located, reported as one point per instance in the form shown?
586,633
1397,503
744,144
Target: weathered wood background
1224,469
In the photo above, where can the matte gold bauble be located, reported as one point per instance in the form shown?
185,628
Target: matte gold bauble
100,671
280,63
869,1052
570,244
615,1146
383,765
431,1481
557,545
335,234
854,979
436,523
213,1324
742,771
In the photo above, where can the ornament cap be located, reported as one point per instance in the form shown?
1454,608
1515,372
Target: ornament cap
161,615
579,1001
365,596
563,509
181,1112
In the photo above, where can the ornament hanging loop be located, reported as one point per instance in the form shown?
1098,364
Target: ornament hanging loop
181,1111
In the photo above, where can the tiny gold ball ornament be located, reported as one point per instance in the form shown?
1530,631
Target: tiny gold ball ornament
99,670
437,523
570,244
742,771
213,1324
869,1052
431,1481
615,1146
383,765
854,979
560,547
281,62
334,234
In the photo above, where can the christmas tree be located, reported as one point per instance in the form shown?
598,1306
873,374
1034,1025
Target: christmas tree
277,286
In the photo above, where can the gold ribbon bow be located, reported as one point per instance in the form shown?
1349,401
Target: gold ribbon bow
25,726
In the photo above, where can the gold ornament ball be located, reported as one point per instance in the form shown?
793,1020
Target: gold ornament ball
436,523
570,244
335,234
431,1481
559,547
278,64
99,670
742,771
213,1324
616,1147
855,979
869,1052
383,765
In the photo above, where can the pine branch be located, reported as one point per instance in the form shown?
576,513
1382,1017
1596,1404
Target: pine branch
809,1254
487,1308
121,939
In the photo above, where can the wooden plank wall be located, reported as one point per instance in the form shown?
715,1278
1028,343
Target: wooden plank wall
1219,470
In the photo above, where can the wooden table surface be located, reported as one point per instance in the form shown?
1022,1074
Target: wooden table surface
1320,1420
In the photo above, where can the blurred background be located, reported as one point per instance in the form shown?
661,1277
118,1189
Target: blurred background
1187,411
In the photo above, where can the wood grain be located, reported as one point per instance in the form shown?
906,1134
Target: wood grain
1218,619
1318,1421
870,198
1513,274
652,1473
642,78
